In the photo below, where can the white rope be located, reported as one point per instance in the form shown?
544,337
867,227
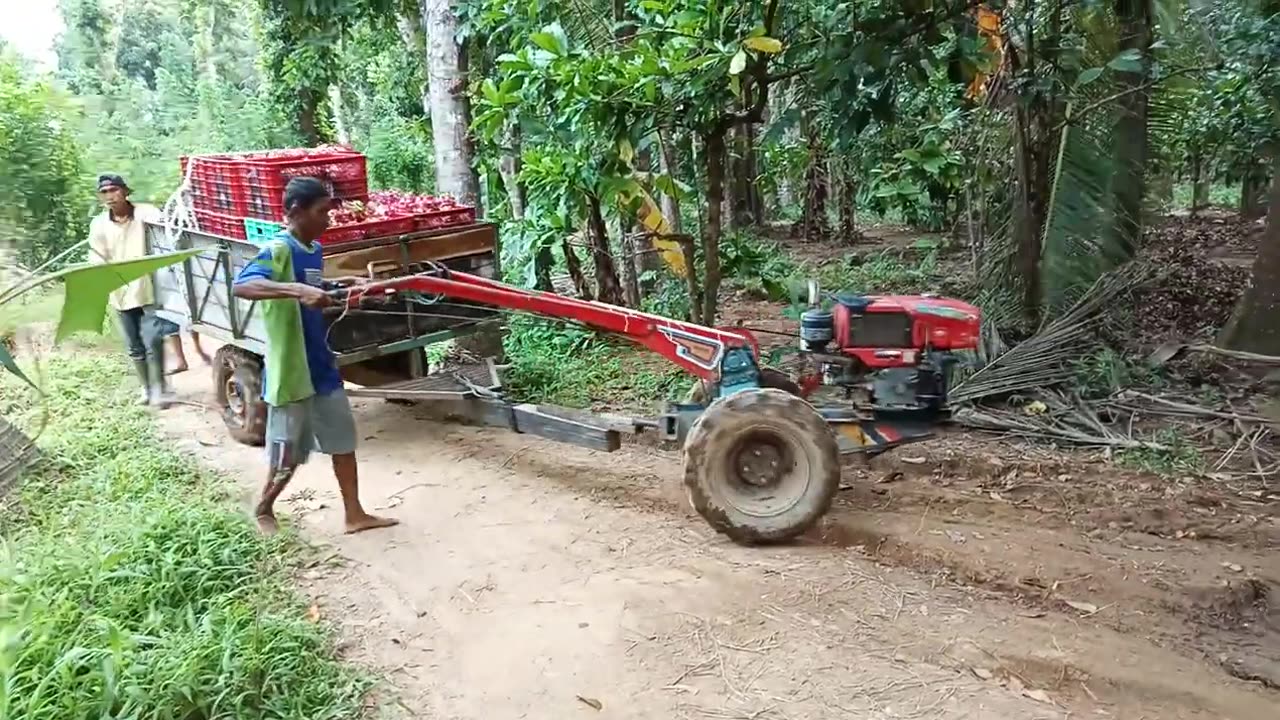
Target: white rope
179,215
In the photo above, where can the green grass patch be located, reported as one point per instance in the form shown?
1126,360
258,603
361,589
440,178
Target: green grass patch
130,586
564,365
1178,456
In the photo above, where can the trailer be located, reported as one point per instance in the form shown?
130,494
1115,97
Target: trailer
380,355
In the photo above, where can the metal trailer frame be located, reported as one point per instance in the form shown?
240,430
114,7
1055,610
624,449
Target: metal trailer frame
197,295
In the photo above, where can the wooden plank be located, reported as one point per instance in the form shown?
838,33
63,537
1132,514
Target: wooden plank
533,421
607,421
473,240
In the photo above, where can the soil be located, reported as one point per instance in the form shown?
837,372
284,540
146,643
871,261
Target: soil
955,578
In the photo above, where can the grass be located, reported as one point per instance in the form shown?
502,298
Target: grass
1179,457
1219,196
131,587
1106,371
33,307
551,363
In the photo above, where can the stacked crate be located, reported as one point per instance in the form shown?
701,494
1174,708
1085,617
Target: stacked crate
241,195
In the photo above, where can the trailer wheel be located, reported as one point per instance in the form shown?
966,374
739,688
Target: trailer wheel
761,466
237,380
769,378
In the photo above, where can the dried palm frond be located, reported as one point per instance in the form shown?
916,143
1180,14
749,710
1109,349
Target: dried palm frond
1048,357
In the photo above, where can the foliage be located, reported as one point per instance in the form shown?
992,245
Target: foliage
132,588
749,259
40,164
882,273
568,366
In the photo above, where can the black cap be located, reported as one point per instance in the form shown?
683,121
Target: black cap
108,180
305,192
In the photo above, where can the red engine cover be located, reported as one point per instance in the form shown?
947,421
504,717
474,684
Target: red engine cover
892,330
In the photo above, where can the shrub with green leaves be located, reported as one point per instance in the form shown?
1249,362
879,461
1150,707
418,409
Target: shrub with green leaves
129,585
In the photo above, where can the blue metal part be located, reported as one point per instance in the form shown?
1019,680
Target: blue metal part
738,372
678,420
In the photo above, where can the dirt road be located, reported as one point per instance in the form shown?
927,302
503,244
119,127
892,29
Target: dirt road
533,580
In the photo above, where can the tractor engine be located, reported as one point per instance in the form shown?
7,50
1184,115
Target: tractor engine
894,348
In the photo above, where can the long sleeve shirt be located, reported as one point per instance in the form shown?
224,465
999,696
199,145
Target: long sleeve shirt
114,240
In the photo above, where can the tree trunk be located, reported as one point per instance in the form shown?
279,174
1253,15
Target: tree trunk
1255,324
542,264
670,166
1199,181
815,193
1135,18
509,168
847,203
574,266
1031,197
745,198
714,152
339,122
307,126
450,108
413,35
1252,188
608,289
630,276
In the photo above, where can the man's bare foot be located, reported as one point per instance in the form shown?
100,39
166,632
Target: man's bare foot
176,369
369,522
267,524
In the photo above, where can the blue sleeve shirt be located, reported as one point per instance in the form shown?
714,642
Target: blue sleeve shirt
308,268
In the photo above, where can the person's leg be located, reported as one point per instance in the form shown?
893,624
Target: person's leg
289,440
356,518
335,434
179,356
195,340
153,330
130,323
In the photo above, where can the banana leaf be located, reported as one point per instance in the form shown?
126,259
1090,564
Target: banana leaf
86,289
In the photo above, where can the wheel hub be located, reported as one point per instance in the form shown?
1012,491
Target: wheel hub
759,464
235,399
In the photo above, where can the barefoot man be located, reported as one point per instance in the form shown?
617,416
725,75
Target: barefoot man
307,407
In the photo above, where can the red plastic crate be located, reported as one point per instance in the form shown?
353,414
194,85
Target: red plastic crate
264,179
220,224
446,218
217,184
339,235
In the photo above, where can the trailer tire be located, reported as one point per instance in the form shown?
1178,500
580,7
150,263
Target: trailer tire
237,381
769,378
761,466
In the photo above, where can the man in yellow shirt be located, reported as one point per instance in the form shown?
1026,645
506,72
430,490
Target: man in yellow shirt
119,234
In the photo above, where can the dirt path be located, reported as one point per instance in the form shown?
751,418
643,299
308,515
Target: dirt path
533,580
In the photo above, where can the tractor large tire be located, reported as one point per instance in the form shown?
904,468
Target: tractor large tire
769,378
761,466
237,381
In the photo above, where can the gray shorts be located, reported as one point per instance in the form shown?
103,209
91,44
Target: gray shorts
321,422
